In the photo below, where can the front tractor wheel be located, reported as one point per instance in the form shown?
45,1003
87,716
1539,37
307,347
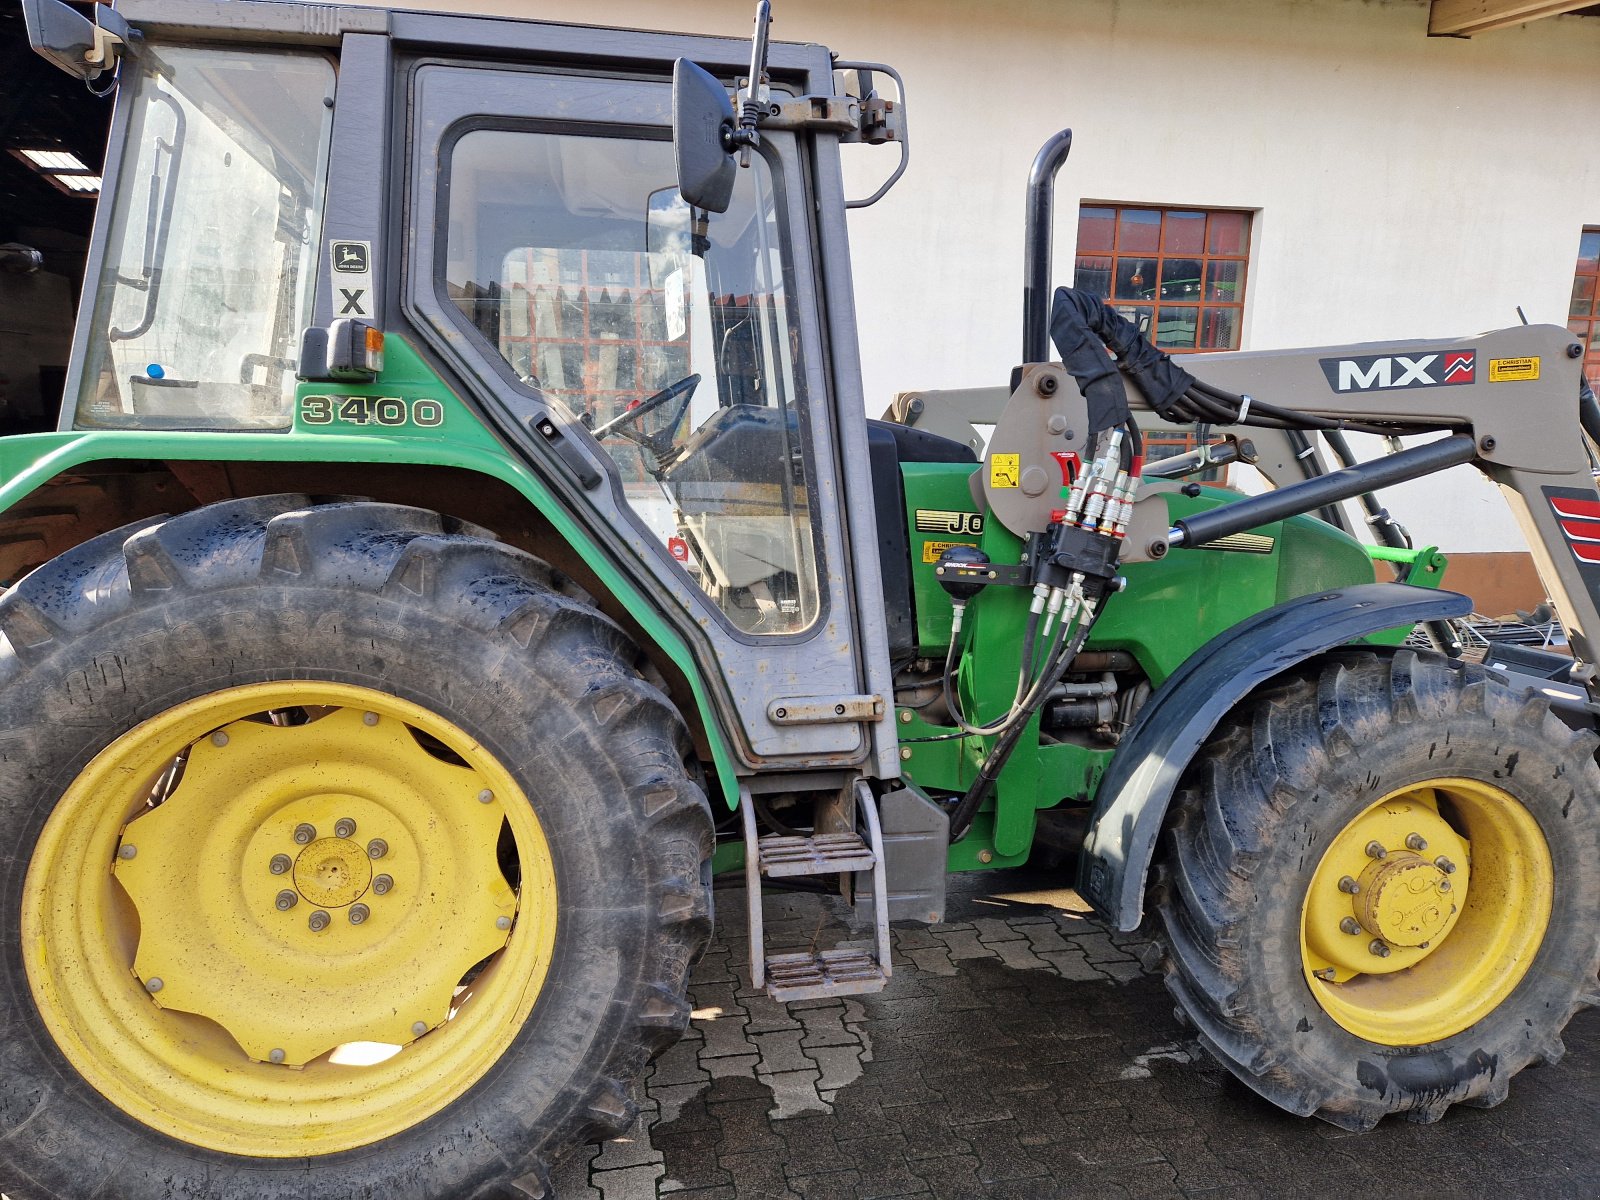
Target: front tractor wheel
1380,892
342,851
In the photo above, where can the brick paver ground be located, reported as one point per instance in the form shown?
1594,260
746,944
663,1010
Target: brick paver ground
1022,1051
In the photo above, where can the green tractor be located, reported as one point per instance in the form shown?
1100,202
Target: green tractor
463,539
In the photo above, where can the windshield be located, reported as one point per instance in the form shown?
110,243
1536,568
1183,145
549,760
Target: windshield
671,335
209,267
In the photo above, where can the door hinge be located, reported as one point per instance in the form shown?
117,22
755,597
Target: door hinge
825,710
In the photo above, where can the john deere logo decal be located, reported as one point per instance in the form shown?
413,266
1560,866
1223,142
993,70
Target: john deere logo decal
940,520
1393,372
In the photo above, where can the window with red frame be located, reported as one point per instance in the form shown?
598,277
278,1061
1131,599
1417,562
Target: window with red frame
1583,317
1177,273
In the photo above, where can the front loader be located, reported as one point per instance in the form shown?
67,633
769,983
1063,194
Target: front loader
462,540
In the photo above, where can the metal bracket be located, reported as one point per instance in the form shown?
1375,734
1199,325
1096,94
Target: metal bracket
1016,575
825,710
832,114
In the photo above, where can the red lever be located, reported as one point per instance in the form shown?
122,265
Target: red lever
1070,465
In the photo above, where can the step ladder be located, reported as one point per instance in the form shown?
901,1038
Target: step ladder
814,974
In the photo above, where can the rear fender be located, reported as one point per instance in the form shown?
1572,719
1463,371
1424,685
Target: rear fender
1131,802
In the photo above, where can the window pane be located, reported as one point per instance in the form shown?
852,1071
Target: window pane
578,261
1093,275
1184,233
1225,282
1230,233
1097,230
1176,327
1136,278
211,258
1582,296
1180,279
1219,329
1140,314
1589,251
1139,231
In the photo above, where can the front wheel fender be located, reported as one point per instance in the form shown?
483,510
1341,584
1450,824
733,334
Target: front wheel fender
1131,803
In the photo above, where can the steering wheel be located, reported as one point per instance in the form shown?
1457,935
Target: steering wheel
657,443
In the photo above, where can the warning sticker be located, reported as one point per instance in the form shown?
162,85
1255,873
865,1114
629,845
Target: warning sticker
1513,370
1005,470
932,550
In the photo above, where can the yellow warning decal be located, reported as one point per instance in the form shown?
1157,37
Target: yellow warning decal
1005,470
932,550
1513,370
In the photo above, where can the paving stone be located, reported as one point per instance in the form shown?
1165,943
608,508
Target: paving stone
1099,948
991,929
935,960
913,937
1044,936
1017,955
793,1093
570,1177
760,1176
1071,964
724,1036
722,1068
673,1098
767,1015
840,1065
964,943
632,1149
694,1160
825,1027
830,1185
633,1183
679,1064
780,1051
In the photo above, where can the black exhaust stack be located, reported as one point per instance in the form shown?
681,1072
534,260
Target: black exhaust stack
1040,220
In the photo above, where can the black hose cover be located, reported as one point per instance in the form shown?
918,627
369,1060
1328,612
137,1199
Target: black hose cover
1083,328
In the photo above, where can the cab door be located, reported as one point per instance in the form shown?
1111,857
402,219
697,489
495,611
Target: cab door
672,360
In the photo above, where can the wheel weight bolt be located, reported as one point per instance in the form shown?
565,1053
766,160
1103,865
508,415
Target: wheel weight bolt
344,828
1378,948
1349,885
382,884
154,984
304,834
1445,865
286,900
370,718
276,1056
486,796
1349,925
280,864
1375,850
377,848
319,921
128,851
359,913
1415,841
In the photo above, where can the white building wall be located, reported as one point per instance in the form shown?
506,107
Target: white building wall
1405,186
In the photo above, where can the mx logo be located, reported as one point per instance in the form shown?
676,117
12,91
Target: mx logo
1392,372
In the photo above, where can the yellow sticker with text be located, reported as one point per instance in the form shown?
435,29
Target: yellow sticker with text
1005,470
932,550
1513,370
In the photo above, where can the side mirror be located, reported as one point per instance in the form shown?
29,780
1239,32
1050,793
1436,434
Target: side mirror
702,128
72,42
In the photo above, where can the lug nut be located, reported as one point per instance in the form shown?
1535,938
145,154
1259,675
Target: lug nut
485,796
1415,841
287,900
280,864
1445,865
1444,885
154,984
127,851
276,1056
1349,885
1326,974
319,921
344,827
219,738
382,884
377,848
1349,925
304,834
1375,850
359,913
370,718
1378,948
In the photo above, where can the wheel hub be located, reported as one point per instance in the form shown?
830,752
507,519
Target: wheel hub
392,892
1405,899
332,873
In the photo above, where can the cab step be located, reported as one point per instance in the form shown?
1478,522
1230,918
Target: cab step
847,970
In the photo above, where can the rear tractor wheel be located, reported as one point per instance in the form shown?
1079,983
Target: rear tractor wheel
341,850
1382,890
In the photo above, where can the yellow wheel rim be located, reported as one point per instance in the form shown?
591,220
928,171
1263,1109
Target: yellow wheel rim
1426,911
279,920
